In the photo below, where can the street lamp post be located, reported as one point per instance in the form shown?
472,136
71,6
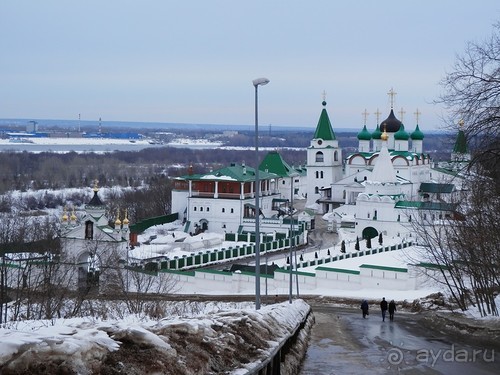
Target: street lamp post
256,83
291,238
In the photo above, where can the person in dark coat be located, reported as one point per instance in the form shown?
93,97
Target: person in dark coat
392,308
364,308
383,307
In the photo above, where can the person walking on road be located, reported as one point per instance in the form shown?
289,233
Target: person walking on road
392,308
383,307
364,308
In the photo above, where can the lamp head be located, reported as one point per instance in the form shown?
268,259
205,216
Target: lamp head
260,82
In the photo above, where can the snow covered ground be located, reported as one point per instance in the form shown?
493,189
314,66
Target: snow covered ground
165,240
228,338
221,331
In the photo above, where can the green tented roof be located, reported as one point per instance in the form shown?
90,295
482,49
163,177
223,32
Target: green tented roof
461,143
324,128
274,163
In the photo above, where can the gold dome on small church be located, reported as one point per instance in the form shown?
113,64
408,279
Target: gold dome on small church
384,135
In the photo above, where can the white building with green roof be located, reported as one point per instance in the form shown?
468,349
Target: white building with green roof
324,163
389,180
224,201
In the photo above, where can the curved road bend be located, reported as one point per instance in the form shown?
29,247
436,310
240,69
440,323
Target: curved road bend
342,342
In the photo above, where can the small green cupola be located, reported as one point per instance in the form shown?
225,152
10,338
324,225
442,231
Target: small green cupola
417,134
377,134
401,134
364,135
324,128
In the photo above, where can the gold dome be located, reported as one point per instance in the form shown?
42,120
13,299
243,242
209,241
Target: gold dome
125,220
384,135
118,221
65,215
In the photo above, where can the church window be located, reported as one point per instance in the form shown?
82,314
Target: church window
232,210
194,208
89,230
208,209
201,208
335,156
399,217
409,218
316,190
343,194
223,209
368,215
283,182
320,157
317,174
321,174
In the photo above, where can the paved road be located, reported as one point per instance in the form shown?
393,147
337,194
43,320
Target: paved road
342,342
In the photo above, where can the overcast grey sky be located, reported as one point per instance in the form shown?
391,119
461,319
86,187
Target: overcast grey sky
194,61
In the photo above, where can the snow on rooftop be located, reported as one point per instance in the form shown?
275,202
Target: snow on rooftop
171,241
215,177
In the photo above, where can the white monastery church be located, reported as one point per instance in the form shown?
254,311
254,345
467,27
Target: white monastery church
388,182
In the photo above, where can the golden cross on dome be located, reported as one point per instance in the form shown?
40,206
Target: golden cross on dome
402,113
461,124
392,94
417,114
365,115
324,95
378,113
96,182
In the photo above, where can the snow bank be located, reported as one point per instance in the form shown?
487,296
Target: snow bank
230,341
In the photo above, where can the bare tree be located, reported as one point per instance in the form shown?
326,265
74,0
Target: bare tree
472,94
434,240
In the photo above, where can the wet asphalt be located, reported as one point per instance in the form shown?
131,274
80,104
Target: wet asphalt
342,342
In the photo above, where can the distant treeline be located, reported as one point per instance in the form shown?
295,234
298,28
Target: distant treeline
23,171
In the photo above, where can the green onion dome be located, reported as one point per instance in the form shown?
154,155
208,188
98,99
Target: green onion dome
377,134
401,134
364,135
417,135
